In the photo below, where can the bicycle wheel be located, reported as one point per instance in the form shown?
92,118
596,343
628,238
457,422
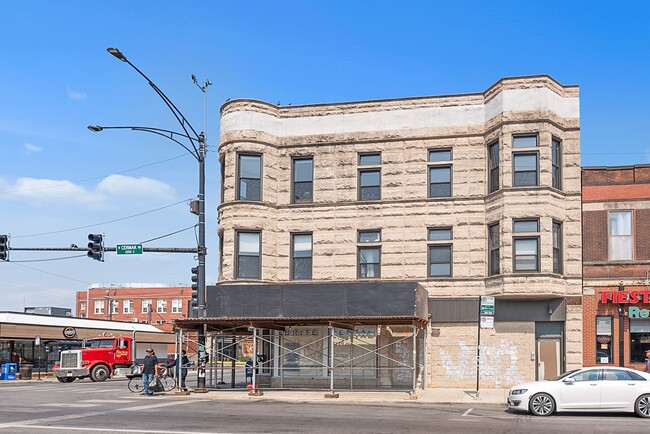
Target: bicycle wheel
136,385
168,383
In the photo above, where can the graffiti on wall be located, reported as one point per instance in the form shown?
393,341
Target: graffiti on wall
499,363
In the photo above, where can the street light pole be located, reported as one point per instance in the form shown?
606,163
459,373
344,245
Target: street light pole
199,154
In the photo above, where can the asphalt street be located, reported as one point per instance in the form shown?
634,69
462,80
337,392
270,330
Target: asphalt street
33,407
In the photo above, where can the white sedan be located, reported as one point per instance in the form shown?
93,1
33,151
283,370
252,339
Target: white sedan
586,389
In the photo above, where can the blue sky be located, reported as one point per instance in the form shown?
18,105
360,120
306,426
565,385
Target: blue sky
59,179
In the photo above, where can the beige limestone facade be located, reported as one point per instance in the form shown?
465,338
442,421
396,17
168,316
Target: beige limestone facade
537,182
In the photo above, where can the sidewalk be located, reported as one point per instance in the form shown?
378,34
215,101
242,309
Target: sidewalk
430,396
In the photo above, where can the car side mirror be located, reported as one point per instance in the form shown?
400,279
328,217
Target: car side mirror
569,381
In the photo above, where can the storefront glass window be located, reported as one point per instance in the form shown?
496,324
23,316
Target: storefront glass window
603,339
639,339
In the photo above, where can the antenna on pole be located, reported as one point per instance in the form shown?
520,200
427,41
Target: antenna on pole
203,88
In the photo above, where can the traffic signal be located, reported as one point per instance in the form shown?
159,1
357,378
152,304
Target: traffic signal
96,247
195,287
4,247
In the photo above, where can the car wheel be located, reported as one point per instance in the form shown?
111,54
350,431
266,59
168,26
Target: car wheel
542,404
99,373
642,406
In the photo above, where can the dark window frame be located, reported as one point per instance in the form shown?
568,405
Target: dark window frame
515,172
494,264
631,236
361,188
238,255
558,251
368,231
292,265
524,136
450,183
440,150
556,163
611,335
522,220
515,256
239,178
368,154
442,228
294,183
359,264
430,262
493,167
222,175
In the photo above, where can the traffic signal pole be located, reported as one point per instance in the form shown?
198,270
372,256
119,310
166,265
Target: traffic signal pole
200,383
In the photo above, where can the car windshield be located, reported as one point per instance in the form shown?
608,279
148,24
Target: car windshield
566,374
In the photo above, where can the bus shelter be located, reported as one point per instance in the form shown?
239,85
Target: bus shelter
357,335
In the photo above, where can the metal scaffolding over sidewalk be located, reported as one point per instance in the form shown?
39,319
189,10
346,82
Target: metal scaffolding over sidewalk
354,335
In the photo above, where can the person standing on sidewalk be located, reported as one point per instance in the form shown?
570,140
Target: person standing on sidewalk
185,362
149,371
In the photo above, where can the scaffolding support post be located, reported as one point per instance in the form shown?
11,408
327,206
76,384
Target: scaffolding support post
415,358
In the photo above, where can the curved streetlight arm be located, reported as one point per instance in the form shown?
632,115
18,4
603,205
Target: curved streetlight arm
177,113
168,134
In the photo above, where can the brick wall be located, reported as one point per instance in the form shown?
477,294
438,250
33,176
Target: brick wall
594,235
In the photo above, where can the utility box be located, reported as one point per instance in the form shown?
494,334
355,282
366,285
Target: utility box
8,371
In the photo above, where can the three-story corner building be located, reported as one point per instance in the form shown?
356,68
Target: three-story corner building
340,210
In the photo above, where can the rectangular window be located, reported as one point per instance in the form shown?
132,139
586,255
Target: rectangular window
639,339
526,254
177,305
439,155
372,159
301,256
524,169
128,306
556,163
493,167
370,184
114,306
526,141
145,305
528,225
369,179
369,236
82,305
220,256
99,306
222,174
557,248
161,306
439,181
439,234
440,260
369,262
249,170
493,246
303,179
248,255
620,235
604,339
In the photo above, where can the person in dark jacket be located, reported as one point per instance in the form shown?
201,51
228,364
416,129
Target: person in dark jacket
185,362
149,370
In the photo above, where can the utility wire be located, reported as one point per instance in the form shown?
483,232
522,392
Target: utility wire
47,272
167,235
94,177
50,259
102,223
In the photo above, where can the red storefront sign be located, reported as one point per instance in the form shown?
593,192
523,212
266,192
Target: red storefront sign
625,297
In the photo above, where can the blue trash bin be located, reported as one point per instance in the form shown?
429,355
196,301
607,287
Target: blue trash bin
8,371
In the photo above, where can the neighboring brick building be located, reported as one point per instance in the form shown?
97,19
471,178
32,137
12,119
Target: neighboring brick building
131,303
467,195
616,243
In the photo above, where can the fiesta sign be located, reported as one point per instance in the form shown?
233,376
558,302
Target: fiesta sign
625,297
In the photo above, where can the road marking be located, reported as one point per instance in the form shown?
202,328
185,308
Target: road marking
66,404
109,401
131,430
467,412
160,405
50,419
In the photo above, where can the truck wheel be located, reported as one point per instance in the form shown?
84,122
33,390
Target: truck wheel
100,373
65,379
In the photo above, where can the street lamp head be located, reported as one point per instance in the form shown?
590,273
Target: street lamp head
95,128
117,53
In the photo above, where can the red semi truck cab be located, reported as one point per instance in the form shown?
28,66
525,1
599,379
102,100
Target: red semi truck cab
98,359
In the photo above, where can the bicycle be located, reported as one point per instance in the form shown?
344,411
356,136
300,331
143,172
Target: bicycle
136,385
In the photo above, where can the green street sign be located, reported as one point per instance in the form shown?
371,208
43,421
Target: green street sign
129,249
487,305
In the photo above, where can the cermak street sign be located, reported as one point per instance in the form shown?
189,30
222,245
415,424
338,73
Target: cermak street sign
129,249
